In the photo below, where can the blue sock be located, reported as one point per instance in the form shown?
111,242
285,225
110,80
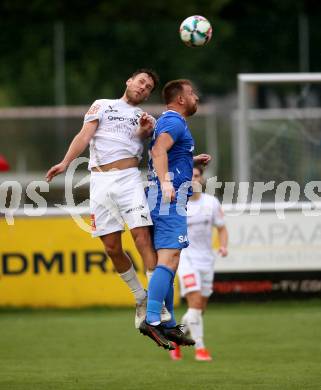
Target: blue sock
169,303
158,288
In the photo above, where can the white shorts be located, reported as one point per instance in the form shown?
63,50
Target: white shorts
117,198
192,278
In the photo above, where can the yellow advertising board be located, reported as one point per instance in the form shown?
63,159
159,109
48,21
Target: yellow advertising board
51,262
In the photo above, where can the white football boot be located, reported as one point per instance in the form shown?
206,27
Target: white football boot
141,313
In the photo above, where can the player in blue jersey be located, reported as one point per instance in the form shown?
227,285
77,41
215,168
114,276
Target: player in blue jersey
171,170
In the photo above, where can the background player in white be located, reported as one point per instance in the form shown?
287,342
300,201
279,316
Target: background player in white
196,268
114,129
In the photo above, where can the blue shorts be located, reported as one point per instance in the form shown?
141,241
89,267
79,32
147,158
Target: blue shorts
169,231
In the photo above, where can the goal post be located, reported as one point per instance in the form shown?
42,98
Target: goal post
242,145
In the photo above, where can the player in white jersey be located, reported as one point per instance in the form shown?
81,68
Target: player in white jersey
114,130
196,268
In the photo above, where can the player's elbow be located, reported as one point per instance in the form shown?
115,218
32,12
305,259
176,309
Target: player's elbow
81,140
153,152
222,230
84,137
158,151
87,132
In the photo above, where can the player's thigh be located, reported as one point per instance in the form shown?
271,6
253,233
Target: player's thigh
189,278
207,282
132,202
144,245
143,240
104,212
168,257
112,242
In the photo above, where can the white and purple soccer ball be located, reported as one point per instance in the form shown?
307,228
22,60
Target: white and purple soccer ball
195,31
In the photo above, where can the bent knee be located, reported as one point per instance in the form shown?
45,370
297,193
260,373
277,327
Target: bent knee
113,248
142,238
194,300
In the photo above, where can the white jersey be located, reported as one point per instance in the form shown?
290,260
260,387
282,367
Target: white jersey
116,135
202,215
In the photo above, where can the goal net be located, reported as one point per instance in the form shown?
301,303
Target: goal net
278,132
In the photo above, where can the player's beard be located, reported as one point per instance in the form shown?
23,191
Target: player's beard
191,109
133,98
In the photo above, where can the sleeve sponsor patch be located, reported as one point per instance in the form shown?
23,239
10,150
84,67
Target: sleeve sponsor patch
93,109
189,280
92,222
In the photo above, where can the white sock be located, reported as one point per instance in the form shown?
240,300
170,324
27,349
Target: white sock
130,277
185,323
195,325
149,275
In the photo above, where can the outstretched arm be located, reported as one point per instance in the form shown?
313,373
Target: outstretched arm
77,146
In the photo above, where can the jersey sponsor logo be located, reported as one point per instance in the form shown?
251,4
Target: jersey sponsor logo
189,280
132,121
93,109
110,109
138,208
144,217
92,222
116,118
182,239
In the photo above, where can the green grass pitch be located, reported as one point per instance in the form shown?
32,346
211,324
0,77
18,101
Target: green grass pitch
255,346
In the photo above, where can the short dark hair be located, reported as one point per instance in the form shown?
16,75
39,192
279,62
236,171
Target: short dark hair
151,73
199,167
173,88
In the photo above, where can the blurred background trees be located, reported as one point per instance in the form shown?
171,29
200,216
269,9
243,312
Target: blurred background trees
73,52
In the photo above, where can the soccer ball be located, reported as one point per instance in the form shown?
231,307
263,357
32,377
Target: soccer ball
195,31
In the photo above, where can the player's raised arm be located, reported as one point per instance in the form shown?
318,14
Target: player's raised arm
146,126
77,146
202,158
160,161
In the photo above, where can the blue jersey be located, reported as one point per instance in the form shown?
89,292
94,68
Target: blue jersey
169,219
180,155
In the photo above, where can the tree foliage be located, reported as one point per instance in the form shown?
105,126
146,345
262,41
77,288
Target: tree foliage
106,41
